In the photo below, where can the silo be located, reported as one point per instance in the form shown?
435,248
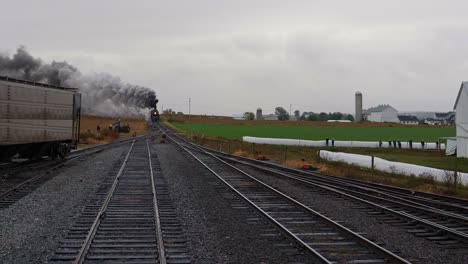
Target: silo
358,117
259,114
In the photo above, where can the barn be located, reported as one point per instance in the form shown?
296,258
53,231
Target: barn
381,113
461,121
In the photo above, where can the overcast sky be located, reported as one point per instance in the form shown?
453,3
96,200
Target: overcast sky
235,56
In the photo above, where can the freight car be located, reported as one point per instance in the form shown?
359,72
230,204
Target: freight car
37,119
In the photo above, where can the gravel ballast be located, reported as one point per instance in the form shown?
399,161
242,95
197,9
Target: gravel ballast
394,238
30,229
220,227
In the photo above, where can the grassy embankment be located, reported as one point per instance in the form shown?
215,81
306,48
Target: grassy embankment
90,136
291,156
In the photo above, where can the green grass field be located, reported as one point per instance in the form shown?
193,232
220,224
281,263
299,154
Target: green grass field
428,134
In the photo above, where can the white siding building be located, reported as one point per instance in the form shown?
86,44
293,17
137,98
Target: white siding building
270,117
461,121
432,122
408,120
381,113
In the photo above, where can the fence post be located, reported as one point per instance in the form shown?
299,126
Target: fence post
372,164
455,175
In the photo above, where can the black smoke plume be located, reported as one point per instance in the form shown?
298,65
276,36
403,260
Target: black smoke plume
102,93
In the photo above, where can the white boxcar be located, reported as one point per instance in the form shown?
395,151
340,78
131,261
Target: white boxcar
37,119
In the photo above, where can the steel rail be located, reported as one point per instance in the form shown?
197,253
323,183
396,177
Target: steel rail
437,199
453,233
157,223
92,232
400,202
364,241
434,199
360,186
457,234
303,244
461,236
94,150
450,231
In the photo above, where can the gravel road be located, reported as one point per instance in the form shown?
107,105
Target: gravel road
30,229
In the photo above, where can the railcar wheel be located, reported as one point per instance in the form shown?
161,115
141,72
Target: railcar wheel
63,150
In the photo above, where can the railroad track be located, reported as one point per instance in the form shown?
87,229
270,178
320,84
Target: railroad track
326,240
131,220
437,218
21,179
15,167
446,227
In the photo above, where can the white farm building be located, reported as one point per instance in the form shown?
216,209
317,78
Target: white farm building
381,113
461,121
408,120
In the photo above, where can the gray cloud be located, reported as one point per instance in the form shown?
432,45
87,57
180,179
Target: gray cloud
233,56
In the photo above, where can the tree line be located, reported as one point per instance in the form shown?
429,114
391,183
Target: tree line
169,111
283,115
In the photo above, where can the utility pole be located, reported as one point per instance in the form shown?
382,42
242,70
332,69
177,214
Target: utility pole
189,106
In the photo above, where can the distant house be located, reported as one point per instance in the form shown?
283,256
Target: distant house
238,117
271,117
446,118
408,120
381,113
338,121
432,122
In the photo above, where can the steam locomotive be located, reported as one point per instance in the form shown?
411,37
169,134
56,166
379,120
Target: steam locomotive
154,114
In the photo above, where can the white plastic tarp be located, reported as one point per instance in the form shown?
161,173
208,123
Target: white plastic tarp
322,143
392,167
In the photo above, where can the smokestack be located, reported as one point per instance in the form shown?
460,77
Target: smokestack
358,117
102,93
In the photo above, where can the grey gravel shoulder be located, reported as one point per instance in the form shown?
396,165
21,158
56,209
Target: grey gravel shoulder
31,229
394,238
